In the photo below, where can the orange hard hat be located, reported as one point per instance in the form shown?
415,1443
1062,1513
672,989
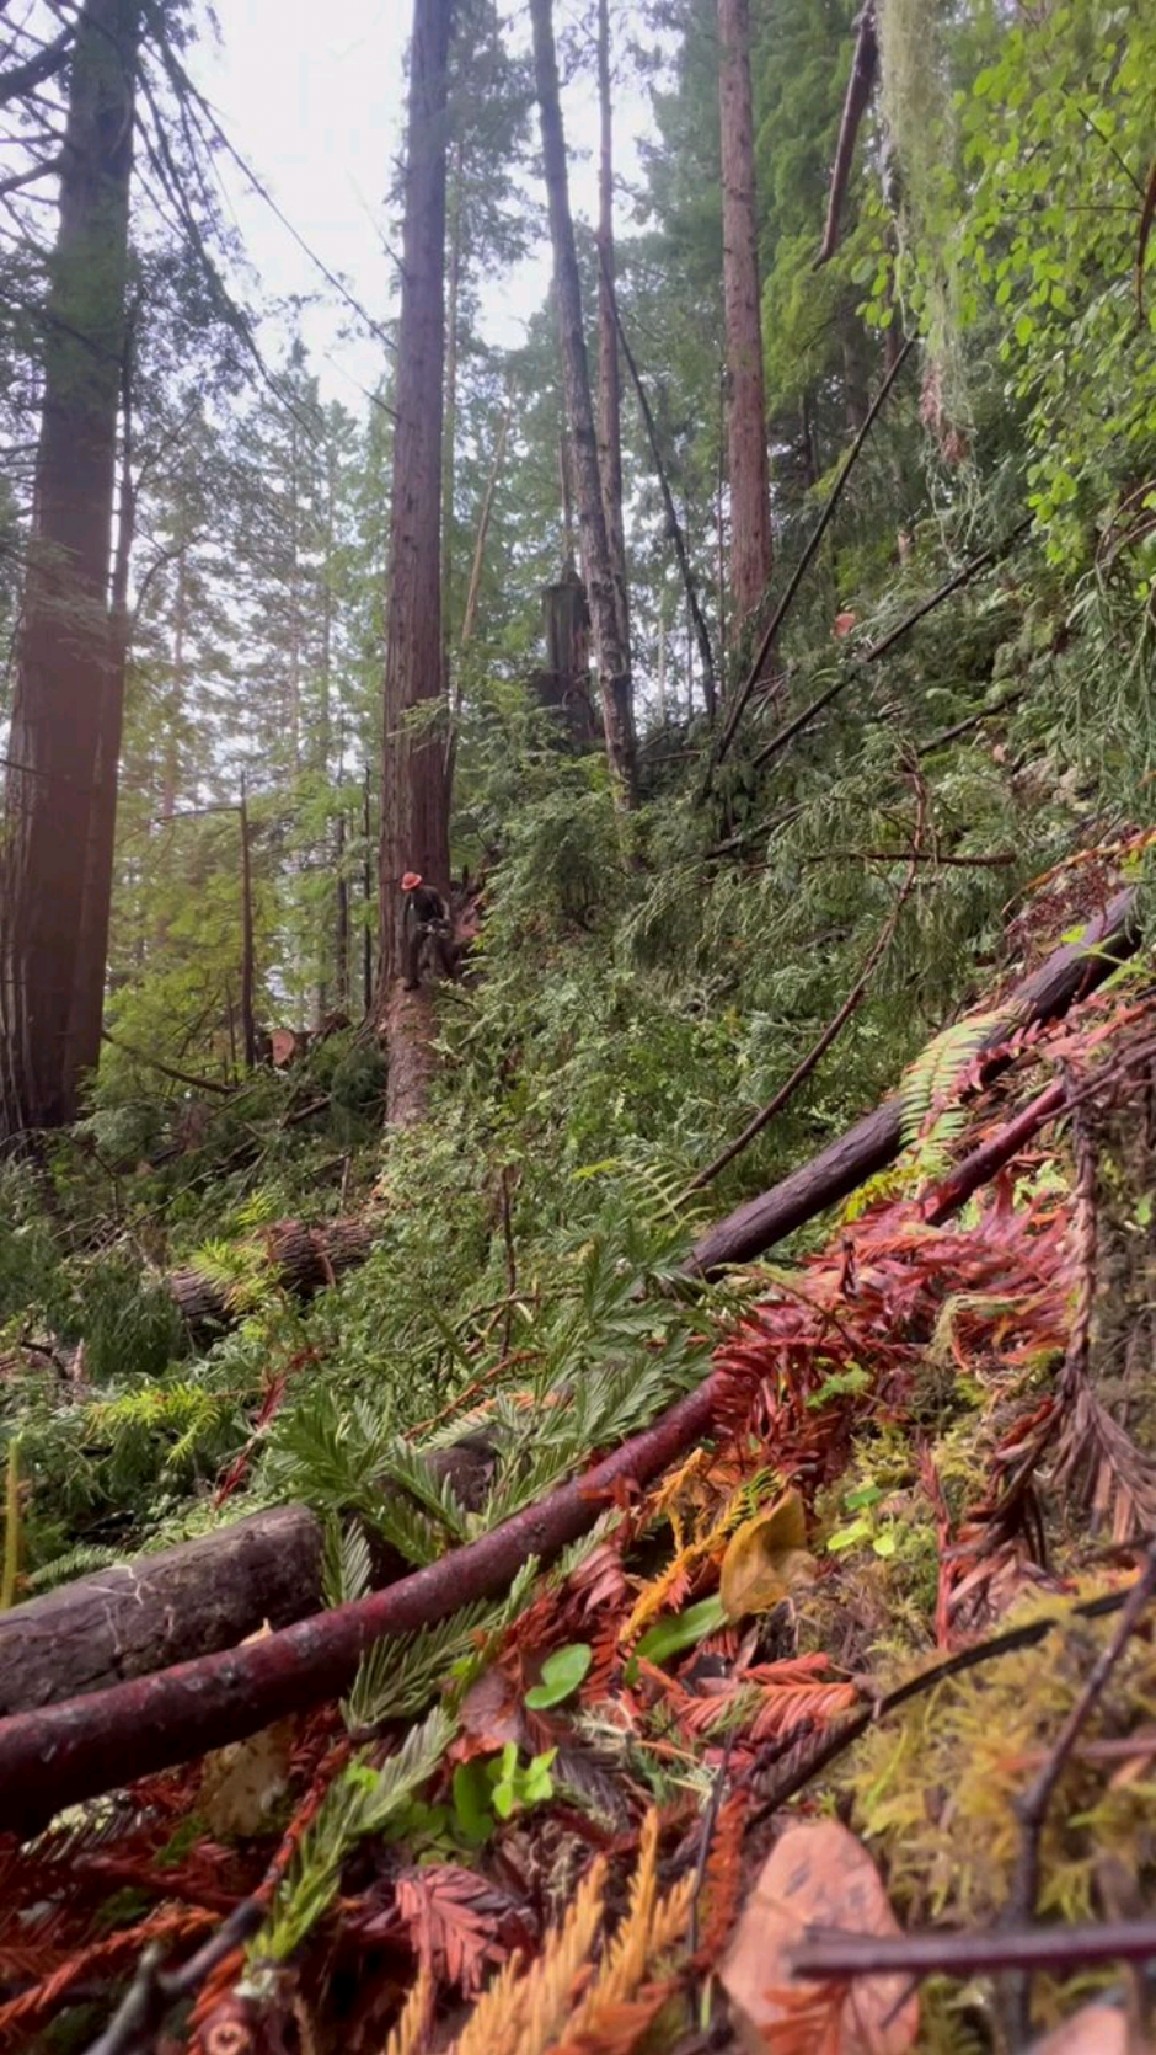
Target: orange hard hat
411,881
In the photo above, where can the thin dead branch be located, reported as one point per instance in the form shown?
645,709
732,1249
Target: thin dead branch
835,1025
739,703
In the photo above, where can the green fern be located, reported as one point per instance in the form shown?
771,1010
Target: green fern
928,1084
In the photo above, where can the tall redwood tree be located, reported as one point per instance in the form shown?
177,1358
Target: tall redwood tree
609,367
747,465
67,650
611,653
415,795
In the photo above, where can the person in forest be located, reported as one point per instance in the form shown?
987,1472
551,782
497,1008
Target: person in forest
426,925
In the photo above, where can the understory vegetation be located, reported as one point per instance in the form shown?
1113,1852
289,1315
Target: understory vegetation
536,1821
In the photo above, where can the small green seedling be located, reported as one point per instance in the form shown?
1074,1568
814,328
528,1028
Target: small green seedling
562,1673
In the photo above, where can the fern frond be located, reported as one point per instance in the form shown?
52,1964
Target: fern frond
345,1564
410,1468
928,1084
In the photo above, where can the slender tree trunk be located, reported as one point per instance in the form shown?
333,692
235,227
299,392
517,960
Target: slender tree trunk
248,1013
612,658
477,566
92,946
609,368
415,798
341,952
449,438
66,652
367,898
746,404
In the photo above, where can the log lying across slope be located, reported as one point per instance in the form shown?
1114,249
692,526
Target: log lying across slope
207,1596
301,1259
195,1599
874,1141
66,1753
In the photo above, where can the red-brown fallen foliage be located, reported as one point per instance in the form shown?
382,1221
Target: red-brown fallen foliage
838,1343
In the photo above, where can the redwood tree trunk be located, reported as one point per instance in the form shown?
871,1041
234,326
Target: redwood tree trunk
65,651
611,655
609,369
415,799
92,947
750,503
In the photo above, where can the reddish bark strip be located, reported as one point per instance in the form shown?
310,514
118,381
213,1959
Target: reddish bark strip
65,1753
981,1166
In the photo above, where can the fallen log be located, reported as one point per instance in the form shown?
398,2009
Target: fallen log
301,1259
63,1754
195,1599
143,1614
874,1141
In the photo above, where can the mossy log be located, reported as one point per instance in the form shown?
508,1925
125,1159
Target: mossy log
301,1259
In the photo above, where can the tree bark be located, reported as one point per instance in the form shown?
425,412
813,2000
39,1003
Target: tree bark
139,1616
65,648
609,370
747,464
415,799
874,1141
611,657
194,1599
96,915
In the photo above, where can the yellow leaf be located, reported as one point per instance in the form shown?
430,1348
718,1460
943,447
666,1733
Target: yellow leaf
766,1560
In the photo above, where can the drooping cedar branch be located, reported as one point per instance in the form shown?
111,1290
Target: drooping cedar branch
864,68
774,625
673,524
854,999
874,1141
73,1751
180,1077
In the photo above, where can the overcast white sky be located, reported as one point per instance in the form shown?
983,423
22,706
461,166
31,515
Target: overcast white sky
313,97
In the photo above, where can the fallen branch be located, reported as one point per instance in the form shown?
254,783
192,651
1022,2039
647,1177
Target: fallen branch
739,703
981,1166
202,1596
980,1954
154,1992
886,643
864,68
70,1752
875,1141
834,1743
180,1077
810,1062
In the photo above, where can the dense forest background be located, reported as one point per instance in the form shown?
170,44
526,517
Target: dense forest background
758,658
